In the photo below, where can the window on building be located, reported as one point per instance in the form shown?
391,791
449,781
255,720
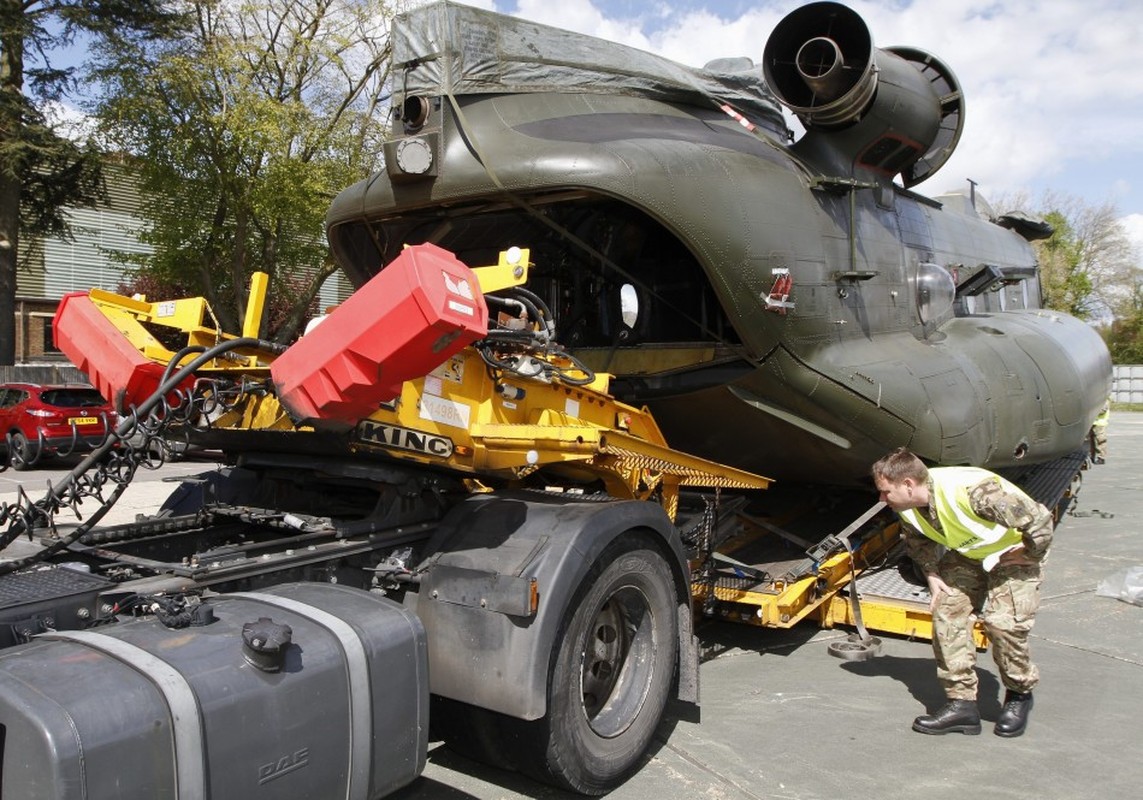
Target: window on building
49,345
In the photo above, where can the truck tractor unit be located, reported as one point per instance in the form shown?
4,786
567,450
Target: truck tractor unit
426,478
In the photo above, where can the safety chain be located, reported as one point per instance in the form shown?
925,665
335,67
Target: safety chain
700,541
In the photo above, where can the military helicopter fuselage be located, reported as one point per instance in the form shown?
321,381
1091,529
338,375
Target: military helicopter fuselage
788,308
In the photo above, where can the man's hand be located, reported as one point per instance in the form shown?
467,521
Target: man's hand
937,587
1016,557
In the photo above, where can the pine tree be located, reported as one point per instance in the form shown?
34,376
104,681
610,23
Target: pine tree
41,171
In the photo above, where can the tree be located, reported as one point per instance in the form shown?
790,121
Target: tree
1086,265
40,170
1124,336
1089,269
1064,280
243,130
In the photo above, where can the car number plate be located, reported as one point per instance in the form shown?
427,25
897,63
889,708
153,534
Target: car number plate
84,420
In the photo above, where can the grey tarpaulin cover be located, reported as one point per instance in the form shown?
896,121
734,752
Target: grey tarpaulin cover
448,48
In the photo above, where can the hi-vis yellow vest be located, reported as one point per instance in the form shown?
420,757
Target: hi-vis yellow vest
964,531
1103,417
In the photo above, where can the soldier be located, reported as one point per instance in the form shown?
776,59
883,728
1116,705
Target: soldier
1099,434
994,539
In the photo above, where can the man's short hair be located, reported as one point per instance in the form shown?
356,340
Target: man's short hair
899,465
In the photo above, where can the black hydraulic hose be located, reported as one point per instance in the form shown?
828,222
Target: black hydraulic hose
169,383
511,305
530,309
535,298
588,374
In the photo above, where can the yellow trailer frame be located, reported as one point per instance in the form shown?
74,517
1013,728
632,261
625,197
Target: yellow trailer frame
576,433
820,595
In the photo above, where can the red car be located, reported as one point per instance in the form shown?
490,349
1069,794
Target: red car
40,421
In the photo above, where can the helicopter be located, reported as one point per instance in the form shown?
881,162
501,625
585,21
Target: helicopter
784,303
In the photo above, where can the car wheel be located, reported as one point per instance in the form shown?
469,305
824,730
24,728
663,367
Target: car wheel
19,452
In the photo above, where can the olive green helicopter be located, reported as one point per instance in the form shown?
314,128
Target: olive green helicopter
788,306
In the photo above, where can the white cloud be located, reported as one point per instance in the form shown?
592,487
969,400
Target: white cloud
583,16
1133,226
69,121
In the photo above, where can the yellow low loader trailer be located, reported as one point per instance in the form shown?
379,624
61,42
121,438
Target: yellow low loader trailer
820,585
522,432
551,418
777,570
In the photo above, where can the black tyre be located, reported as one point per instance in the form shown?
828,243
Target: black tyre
612,669
19,452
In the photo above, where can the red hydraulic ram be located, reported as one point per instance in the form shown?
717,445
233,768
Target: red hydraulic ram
422,308
122,374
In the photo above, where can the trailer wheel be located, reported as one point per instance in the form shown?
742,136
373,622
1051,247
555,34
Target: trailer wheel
612,669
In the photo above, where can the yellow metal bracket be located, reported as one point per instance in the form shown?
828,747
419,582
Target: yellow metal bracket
511,270
190,315
252,323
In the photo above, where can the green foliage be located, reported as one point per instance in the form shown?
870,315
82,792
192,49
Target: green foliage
1065,284
244,130
1087,264
1124,336
49,171
41,170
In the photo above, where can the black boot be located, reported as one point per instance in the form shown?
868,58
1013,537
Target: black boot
956,716
1014,716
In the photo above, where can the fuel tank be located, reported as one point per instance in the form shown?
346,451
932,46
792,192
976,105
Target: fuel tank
793,308
336,707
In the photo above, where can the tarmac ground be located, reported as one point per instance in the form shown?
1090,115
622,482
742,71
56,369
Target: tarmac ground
781,719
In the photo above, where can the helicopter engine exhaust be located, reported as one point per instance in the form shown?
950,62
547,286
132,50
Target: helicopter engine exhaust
897,110
820,61
822,67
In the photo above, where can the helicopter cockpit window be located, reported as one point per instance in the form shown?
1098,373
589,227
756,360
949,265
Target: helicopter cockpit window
628,305
936,292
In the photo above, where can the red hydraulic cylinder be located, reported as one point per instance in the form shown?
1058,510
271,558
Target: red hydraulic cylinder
422,308
122,374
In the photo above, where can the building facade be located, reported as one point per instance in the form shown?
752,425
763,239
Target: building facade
103,235
51,267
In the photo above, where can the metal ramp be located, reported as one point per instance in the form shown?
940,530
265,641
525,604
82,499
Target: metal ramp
896,600
1054,483
893,600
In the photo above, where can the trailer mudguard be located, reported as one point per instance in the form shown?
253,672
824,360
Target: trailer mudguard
486,648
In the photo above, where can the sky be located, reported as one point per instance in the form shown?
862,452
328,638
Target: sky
1053,88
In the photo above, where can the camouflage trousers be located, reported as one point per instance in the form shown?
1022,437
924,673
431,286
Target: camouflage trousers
1099,441
1005,600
